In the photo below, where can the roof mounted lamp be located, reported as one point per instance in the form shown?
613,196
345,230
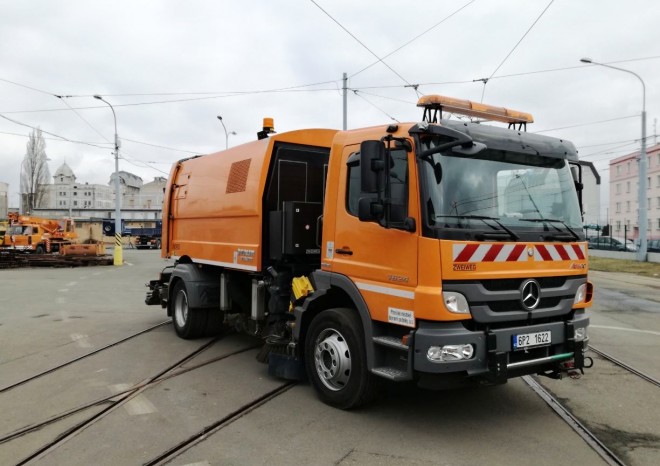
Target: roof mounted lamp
434,105
268,128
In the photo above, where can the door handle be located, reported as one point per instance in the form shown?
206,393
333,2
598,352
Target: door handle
346,252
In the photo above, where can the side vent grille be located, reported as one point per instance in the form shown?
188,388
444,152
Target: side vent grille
238,175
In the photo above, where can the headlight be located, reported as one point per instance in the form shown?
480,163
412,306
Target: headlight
455,302
450,353
580,294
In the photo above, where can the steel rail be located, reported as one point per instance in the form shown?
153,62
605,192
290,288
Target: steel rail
211,429
625,366
79,358
120,399
109,399
598,446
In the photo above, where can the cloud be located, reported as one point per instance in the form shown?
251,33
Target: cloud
121,47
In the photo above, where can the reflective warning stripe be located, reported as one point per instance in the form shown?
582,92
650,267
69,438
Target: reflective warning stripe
558,252
474,252
488,252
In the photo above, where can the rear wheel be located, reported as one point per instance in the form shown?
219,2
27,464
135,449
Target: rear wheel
40,250
336,361
188,323
157,244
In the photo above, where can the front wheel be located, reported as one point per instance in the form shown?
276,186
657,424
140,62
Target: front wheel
336,361
40,250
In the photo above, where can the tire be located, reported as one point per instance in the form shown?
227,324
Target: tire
157,244
336,360
40,250
188,323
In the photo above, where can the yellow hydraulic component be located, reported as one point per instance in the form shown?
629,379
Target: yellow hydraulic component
300,286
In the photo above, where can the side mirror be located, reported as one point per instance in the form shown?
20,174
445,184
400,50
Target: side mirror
576,172
372,166
370,209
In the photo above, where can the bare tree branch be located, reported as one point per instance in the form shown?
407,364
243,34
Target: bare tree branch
35,175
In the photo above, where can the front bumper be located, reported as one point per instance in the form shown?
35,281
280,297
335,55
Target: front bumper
494,358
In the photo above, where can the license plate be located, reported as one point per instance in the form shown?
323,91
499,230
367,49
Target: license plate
527,340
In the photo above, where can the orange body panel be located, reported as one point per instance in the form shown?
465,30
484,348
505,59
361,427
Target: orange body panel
213,206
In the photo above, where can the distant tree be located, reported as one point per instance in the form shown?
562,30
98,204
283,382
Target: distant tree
35,175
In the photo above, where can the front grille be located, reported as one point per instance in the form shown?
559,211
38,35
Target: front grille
515,305
511,284
496,301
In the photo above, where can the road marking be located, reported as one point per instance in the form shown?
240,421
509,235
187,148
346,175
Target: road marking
96,273
129,264
63,290
650,332
200,463
136,406
70,284
81,340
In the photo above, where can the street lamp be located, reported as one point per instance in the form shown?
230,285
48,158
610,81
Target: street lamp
118,253
641,201
233,133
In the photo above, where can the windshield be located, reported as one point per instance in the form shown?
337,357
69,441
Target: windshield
521,191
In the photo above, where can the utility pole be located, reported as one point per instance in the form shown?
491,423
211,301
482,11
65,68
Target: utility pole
118,252
345,89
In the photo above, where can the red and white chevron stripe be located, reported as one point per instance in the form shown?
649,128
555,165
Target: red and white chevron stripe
558,252
474,252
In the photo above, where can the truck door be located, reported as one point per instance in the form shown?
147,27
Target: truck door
382,262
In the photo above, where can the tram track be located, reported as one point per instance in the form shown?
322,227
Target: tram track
625,366
574,423
218,425
80,358
583,431
115,401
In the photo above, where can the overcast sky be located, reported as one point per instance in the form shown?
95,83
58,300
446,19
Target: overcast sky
170,67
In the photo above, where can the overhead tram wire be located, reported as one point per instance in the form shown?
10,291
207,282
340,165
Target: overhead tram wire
25,86
297,89
512,75
413,39
63,98
64,139
485,80
61,138
157,102
357,93
363,45
382,96
586,124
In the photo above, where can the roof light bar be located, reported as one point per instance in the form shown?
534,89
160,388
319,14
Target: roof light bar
438,103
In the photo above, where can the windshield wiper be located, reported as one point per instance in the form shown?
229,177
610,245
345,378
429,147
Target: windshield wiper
574,235
484,219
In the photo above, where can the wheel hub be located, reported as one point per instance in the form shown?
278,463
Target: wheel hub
181,309
332,359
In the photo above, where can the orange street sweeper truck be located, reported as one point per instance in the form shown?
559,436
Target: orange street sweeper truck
444,252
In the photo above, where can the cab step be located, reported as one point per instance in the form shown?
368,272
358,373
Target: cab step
391,373
391,342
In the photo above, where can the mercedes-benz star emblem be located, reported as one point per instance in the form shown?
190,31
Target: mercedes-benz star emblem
530,294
